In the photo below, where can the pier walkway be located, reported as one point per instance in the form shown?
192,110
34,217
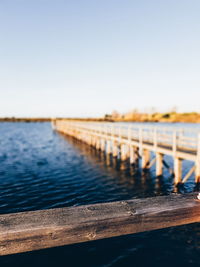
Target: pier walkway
135,141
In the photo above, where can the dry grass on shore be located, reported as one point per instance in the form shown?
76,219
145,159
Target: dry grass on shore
192,117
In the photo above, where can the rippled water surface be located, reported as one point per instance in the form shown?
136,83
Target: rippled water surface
41,169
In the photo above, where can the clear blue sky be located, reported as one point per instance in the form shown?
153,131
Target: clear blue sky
89,57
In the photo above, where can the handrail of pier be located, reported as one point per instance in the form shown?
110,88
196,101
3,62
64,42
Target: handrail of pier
34,230
186,138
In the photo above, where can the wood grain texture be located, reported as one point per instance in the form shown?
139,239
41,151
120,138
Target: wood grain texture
27,231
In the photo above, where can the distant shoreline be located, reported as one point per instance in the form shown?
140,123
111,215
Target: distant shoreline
172,117
25,119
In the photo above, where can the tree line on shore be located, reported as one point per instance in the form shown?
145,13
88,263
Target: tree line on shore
14,119
134,116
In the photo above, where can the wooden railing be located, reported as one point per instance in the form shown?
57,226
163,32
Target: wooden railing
34,230
187,137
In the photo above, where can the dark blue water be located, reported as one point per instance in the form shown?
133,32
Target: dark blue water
40,169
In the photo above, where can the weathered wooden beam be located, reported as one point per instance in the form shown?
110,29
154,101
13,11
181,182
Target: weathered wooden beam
124,152
103,145
146,156
152,162
168,167
115,149
134,155
27,231
187,176
108,147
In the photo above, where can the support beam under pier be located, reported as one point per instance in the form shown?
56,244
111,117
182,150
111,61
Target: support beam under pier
115,149
124,152
146,156
134,155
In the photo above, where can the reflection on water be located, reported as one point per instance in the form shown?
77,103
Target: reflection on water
42,169
144,182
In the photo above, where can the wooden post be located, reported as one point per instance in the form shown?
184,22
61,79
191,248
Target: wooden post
177,170
136,156
132,154
129,143
97,143
123,152
93,141
102,145
108,147
145,159
197,169
115,149
159,164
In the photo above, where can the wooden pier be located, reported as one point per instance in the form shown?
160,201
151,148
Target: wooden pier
136,141
34,230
